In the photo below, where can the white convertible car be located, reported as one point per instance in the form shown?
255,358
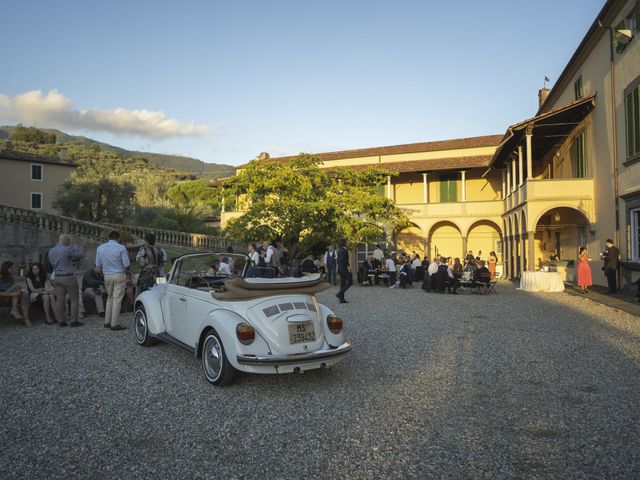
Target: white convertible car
258,325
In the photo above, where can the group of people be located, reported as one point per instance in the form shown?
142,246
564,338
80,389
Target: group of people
268,259
443,273
111,275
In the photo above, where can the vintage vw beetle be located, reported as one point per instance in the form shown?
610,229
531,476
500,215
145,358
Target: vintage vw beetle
258,325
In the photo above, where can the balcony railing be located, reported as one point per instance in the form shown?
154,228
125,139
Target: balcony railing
560,189
454,209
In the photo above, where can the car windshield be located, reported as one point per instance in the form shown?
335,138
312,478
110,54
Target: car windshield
207,271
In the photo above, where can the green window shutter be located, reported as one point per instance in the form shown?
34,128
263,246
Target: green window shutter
577,88
581,164
632,107
448,188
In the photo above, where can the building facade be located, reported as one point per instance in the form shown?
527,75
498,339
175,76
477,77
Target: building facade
31,181
565,178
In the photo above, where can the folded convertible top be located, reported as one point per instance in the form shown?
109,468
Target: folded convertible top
244,289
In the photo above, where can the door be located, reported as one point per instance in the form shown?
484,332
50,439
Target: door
174,302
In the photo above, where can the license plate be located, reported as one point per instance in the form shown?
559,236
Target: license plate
302,333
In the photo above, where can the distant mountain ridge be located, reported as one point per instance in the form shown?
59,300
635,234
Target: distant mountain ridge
176,162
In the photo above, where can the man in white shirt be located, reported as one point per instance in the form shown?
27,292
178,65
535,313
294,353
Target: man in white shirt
224,268
433,267
391,270
112,259
378,254
416,261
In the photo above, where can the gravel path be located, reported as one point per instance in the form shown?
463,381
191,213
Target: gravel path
514,385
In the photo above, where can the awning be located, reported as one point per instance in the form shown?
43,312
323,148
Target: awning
549,130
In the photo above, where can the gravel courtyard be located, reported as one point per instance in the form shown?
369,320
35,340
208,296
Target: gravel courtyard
514,385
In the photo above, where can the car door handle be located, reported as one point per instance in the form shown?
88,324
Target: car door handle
182,299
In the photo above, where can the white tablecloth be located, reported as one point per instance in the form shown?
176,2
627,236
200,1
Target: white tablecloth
541,282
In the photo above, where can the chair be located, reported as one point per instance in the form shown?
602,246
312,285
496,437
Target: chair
491,286
483,284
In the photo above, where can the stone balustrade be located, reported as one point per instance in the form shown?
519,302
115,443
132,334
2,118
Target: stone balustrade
100,231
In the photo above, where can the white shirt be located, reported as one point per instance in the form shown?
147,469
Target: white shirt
433,268
224,269
450,272
254,257
416,263
378,254
268,254
390,264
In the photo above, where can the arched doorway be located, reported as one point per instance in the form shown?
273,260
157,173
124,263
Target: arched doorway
516,247
445,239
411,239
485,237
560,232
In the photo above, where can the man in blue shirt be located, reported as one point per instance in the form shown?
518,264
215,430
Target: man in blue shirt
112,259
62,257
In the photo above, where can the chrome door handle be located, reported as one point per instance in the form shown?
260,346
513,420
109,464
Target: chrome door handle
182,299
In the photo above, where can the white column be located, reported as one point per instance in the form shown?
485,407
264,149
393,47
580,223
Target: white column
222,205
508,179
504,184
389,187
521,176
528,137
464,185
514,172
425,192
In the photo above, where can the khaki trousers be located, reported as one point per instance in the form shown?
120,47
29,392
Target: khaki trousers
67,285
116,286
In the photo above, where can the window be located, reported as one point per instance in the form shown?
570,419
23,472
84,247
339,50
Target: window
448,188
620,46
632,120
577,88
579,157
635,234
36,172
36,201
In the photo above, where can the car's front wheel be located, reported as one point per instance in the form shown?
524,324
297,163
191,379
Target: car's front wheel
215,364
141,327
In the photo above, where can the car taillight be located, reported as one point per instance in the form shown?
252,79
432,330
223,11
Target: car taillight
334,323
245,333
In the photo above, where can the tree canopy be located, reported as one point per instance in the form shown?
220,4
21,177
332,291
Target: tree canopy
32,135
307,206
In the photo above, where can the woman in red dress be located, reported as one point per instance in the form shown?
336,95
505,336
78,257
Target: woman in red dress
584,270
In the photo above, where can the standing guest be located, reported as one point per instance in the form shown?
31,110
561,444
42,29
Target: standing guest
9,288
112,260
40,291
253,260
378,254
62,258
232,265
584,270
492,262
390,266
611,257
92,285
271,259
330,263
344,269
150,258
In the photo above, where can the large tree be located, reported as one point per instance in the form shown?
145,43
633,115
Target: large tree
306,206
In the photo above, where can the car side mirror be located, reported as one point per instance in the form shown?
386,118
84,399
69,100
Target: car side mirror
161,280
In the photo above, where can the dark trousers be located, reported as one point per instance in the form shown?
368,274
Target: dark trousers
331,274
346,279
611,279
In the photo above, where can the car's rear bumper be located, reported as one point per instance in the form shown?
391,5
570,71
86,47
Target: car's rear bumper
299,358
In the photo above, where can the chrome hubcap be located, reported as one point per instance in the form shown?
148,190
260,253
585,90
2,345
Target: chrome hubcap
212,357
141,326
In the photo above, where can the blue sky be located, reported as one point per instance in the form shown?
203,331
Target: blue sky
222,81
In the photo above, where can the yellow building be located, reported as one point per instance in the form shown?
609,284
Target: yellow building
30,181
565,178
445,188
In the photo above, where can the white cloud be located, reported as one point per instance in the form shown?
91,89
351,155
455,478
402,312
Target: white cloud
54,110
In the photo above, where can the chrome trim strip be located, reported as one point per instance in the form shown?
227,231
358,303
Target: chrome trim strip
295,358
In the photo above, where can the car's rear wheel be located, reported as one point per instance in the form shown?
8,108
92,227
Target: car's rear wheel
215,364
141,327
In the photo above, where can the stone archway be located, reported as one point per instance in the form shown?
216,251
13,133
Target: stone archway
560,231
411,238
445,239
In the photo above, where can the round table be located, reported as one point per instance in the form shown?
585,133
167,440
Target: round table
541,282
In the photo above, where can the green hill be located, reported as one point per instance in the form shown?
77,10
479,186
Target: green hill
176,162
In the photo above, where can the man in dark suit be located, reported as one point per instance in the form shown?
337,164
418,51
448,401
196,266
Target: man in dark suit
346,278
611,257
